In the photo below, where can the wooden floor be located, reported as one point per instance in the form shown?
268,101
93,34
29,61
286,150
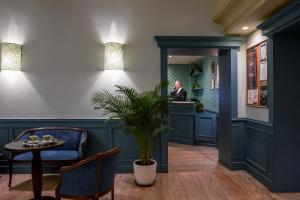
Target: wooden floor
194,174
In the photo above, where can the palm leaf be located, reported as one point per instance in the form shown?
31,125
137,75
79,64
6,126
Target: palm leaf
142,114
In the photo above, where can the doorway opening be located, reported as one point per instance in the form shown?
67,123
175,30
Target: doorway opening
193,76
226,50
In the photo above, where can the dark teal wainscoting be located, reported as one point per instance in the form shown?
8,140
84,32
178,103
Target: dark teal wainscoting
252,148
102,136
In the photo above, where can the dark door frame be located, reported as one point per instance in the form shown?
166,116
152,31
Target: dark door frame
228,47
282,29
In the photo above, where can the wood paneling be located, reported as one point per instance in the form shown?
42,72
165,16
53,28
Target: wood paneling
184,128
256,150
252,148
102,136
206,128
238,143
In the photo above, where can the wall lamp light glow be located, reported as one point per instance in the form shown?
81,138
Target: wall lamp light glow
113,58
11,55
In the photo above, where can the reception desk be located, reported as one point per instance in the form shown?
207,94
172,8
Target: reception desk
191,127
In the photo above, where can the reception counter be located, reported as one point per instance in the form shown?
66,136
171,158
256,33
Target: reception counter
191,127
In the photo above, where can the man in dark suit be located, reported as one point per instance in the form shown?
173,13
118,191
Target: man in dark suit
178,93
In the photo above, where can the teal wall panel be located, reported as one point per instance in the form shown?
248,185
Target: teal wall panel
209,97
4,139
238,142
97,138
182,73
252,148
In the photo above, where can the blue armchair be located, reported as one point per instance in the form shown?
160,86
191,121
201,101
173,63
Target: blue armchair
90,178
71,152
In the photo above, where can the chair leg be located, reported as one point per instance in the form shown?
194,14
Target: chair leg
112,194
95,197
57,196
10,169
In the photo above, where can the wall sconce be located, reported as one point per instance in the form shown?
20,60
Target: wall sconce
10,56
113,59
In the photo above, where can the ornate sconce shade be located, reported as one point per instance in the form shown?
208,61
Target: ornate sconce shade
113,59
11,56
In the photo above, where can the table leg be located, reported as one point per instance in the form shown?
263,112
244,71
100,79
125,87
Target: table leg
37,172
37,177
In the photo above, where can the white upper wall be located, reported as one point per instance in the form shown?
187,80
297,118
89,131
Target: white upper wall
63,49
260,114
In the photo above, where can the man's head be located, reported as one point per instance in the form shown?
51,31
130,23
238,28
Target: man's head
178,84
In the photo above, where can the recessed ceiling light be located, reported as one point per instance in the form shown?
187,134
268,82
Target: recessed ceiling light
170,56
245,28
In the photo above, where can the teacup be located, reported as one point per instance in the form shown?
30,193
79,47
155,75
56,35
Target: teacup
48,137
34,138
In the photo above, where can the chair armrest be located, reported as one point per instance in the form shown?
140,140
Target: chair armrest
90,159
30,131
82,144
70,168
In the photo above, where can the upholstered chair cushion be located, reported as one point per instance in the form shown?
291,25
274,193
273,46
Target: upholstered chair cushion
108,168
51,155
80,181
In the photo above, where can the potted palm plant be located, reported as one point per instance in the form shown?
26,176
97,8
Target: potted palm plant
143,114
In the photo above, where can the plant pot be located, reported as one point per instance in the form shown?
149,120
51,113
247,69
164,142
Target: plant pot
144,174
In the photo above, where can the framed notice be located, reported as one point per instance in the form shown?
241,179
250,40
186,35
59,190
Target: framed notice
257,75
215,75
251,69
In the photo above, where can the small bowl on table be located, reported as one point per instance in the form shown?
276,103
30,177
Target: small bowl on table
48,139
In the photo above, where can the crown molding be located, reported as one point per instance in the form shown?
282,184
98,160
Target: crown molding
222,12
234,11
251,7
284,18
199,41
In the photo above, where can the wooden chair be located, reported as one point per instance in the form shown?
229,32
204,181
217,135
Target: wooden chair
71,152
90,178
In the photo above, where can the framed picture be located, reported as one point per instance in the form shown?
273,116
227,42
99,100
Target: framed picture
212,85
263,51
215,75
257,75
251,69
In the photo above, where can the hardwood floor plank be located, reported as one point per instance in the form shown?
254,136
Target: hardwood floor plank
194,174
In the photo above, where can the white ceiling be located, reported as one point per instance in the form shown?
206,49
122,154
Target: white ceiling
184,59
233,15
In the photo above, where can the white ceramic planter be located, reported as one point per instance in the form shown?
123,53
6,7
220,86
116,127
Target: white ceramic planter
144,174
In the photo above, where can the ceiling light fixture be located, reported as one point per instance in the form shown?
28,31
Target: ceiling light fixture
245,28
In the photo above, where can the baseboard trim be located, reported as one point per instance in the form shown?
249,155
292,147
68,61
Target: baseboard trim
260,177
182,141
237,166
205,144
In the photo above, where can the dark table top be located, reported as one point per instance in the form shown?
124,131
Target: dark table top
19,147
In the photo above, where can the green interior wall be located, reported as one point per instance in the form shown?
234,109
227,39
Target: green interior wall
182,72
207,96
